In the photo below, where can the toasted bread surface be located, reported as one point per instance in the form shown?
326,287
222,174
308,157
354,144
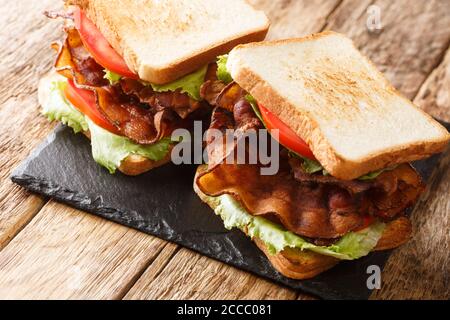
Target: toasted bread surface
165,40
335,99
296,264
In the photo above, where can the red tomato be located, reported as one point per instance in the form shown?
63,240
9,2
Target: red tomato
84,101
99,47
287,137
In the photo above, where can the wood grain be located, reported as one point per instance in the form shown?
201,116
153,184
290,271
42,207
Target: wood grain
421,268
295,18
25,56
434,96
189,275
411,44
64,253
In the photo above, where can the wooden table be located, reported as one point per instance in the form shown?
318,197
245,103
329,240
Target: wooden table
48,250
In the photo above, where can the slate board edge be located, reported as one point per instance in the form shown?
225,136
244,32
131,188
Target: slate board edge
36,186
83,202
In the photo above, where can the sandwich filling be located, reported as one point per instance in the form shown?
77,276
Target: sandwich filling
320,209
140,113
276,238
108,149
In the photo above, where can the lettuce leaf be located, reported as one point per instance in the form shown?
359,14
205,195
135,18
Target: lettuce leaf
58,108
375,174
255,107
112,77
310,166
352,246
222,71
189,84
108,149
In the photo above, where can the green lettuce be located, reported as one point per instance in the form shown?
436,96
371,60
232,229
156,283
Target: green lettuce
222,71
375,174
352,246
310,166
108,149
58,108
255,108
189,84
112,77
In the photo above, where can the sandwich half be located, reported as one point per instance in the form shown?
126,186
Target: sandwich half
129,72
346,137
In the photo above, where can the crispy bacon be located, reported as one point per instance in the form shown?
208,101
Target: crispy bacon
181,103
352,186
210,90
311,205
134,109
387,195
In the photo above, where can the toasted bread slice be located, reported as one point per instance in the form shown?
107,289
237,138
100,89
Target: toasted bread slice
165,40
134,164
396,233
296,264
334,98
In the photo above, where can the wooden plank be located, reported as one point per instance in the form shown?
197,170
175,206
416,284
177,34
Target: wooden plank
420,269
64,253
295,18
411,43
434,96
189,275
24,59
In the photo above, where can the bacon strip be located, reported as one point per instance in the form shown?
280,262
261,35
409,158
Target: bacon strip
179,102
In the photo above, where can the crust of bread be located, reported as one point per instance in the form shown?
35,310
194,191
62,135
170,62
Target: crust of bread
304,122
105,15
135,165
296,264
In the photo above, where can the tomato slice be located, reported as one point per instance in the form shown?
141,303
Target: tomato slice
287,137
99,47
84,101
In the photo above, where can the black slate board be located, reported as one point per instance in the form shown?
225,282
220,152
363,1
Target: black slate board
162,203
